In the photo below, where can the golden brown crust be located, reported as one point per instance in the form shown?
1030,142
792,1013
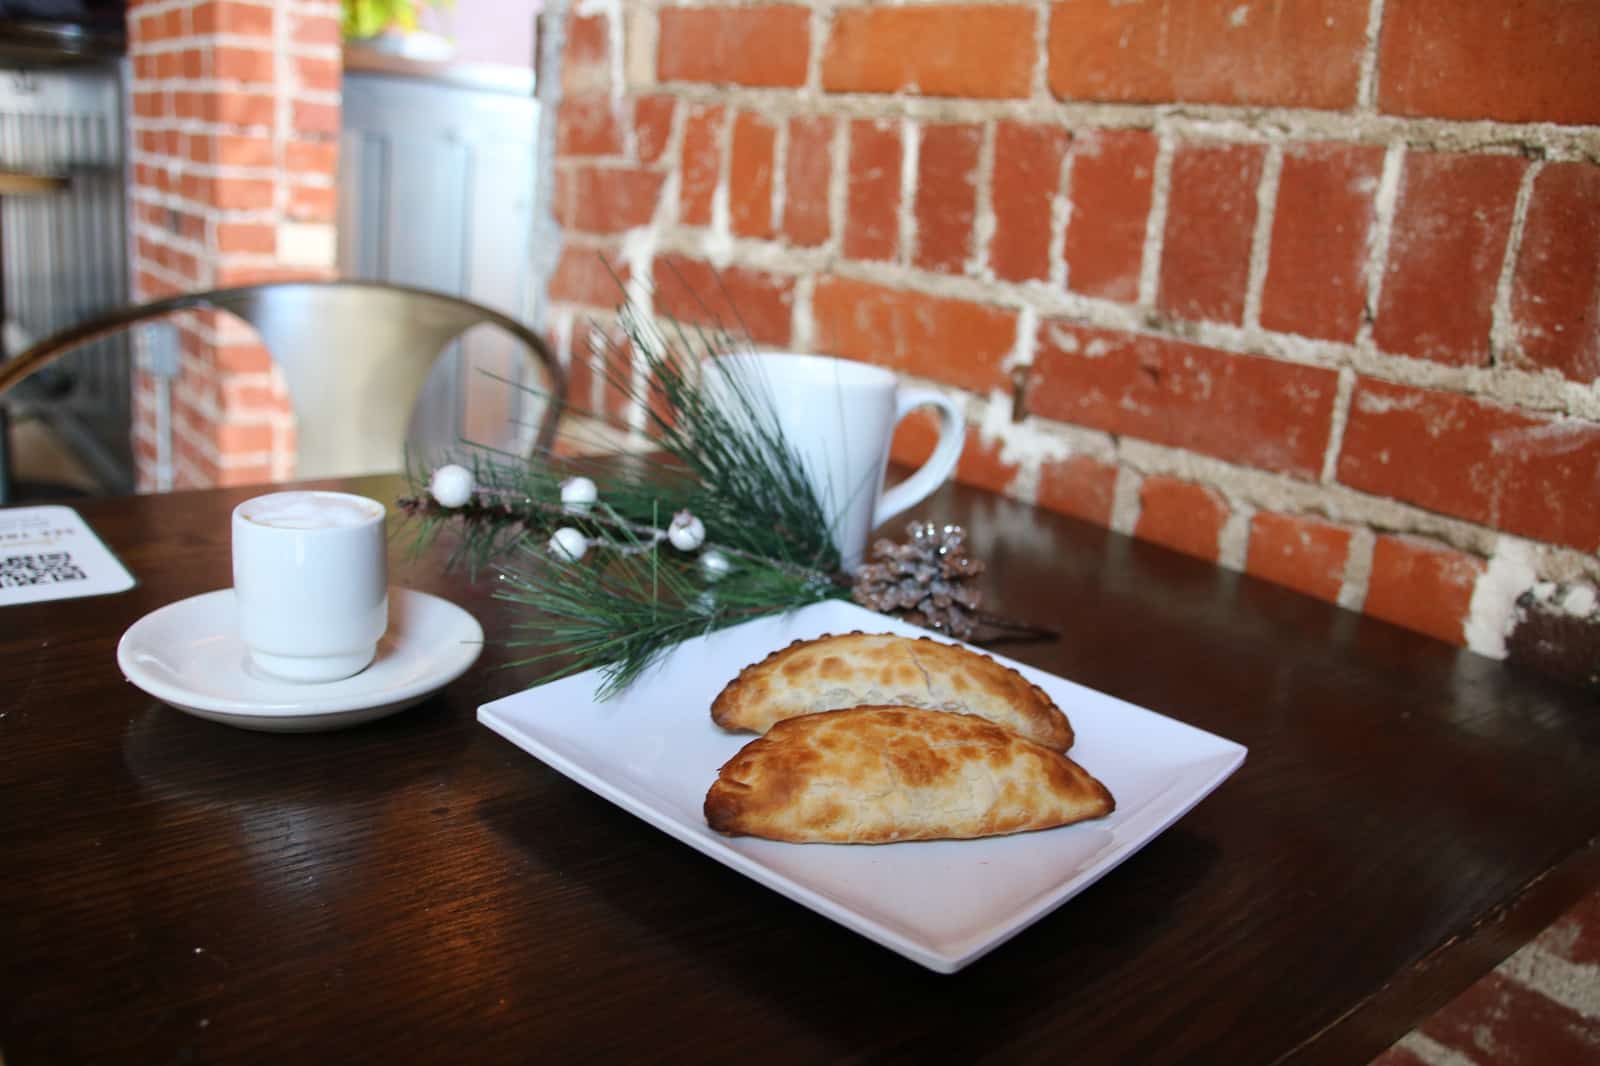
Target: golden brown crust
849,670
873,775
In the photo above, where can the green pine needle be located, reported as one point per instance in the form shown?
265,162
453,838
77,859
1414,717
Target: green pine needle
631,600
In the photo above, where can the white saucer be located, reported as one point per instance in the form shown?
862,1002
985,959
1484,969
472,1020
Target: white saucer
188,655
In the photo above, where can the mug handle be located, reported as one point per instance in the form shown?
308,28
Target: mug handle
933,473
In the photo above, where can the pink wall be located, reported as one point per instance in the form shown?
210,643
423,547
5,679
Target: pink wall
490,31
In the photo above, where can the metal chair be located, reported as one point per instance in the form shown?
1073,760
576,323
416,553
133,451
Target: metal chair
354,355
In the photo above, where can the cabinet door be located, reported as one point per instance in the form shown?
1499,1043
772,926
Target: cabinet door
436,190
62,255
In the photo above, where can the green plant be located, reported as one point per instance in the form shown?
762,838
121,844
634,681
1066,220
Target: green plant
368,18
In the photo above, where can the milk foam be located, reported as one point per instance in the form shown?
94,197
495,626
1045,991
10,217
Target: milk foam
310,510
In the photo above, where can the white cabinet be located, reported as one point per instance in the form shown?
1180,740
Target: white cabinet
436,190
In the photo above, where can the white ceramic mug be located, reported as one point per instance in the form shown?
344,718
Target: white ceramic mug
310,580
839,417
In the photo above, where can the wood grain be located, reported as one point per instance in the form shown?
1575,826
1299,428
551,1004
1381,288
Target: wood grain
420,890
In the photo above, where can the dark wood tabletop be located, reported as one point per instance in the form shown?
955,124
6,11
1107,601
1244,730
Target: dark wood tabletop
420,890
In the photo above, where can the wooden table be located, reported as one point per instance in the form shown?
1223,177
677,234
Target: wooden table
420,890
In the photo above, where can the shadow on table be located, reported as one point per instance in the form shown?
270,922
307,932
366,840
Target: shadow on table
838,992
172,755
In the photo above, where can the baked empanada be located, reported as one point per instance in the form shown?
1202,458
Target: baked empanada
833,672
872,775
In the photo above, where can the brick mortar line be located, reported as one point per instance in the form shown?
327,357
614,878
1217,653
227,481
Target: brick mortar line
719,240
167,239
1039,77
203,212
284,112
1367,78
161,273
1233,539
979,262
1541,391
546,234
1059,274
200,127
910,160
1156,221
1261,237
232,333
238,460
583,240
159,8
838,190
242,88
196,442
270,171
168,161
820,25
186,475
1205,121
779,201
243,379
639,51
802,320
244,41
257,259
1575,986
1385,200
616,43
1340,419
1024,346
1503,339
1429,1051
561,323
1357,577
639,252
1125,503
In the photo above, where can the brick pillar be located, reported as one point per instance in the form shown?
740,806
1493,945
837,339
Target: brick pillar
234,150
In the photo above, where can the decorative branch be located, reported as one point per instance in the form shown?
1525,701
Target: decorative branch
580,544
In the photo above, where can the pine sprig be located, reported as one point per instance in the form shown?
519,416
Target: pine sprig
629,601
625,615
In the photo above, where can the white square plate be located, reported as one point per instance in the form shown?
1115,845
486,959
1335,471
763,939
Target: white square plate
653,750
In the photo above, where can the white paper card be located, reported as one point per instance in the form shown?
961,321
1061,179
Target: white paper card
50,553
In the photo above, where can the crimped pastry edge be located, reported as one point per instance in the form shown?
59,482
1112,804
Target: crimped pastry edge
719,815
722,703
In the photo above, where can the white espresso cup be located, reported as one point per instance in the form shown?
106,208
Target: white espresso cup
310,581
838,416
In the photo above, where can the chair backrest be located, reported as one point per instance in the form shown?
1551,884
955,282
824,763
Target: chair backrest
354,356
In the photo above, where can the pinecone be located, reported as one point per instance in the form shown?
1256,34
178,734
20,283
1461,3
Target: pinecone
930,580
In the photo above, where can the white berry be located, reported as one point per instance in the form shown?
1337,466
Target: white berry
715,565
568,544
1579,600
451,485
686,532
578,494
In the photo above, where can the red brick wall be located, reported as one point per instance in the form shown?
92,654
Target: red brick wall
1309,289
234,135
